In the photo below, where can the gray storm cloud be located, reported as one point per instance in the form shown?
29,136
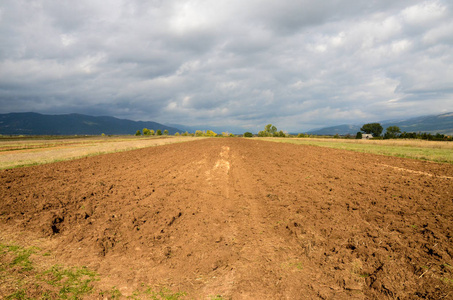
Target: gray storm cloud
297,64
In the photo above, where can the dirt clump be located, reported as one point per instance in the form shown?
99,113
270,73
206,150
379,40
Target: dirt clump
242,219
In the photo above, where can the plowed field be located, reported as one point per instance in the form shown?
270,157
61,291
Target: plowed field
242,219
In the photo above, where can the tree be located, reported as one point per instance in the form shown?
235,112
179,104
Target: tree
159,132
165,132
210,133
248,134
198,133
151,132
358,135
146,131
138,133
372,128
392,132
269,130
177,134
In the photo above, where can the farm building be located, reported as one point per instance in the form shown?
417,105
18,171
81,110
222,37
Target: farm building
367,136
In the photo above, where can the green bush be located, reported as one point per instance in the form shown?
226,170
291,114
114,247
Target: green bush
146,131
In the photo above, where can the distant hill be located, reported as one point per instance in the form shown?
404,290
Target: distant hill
72,124
431,124
339,129
183,128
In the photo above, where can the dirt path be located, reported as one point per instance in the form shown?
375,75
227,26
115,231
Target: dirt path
243,219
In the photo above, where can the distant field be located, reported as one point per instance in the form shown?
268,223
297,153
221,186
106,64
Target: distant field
417,149
27,151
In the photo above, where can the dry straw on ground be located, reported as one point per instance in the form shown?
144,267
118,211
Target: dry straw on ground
26,152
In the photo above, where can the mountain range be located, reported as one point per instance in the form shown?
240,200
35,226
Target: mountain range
72,124
442,123
78,124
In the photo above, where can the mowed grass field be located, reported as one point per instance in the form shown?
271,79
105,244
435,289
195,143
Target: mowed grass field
27,151
436,151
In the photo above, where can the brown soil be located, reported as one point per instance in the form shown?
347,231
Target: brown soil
243,219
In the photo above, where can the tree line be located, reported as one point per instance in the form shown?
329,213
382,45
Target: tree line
394,132
150,132
375,129
205,133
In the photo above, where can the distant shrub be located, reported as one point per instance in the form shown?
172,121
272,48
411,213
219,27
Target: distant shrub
248,134
159,132
138,133
210,133
177,134
146,131
358,135
269,130
392,132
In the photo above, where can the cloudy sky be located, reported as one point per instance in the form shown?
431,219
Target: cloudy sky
239,64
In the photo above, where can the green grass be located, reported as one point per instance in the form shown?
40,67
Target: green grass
72,283
26,280
21,257
23,275
423,150
167,295
146,292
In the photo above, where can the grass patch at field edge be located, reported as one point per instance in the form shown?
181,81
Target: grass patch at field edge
416,150
24,277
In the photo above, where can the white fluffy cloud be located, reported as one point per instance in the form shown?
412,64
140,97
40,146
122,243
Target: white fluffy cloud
297,64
